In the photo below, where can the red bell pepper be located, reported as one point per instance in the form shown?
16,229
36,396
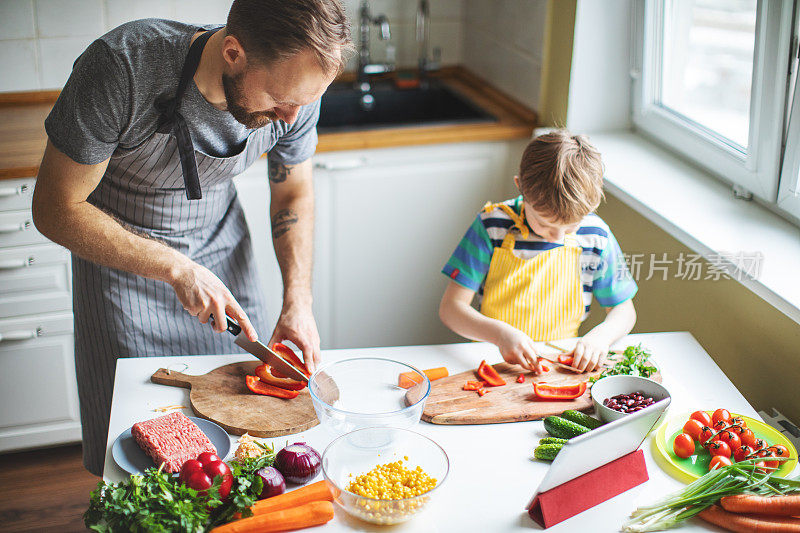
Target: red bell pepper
263,372
288,354
481,392
473,385
259,387
565,359
559,392
521,378
488,374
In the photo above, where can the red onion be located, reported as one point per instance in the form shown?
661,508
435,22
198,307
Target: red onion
273,482
298,462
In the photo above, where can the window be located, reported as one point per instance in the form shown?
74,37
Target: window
711,83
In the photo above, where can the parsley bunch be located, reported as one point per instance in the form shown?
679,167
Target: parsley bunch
634,362
158,502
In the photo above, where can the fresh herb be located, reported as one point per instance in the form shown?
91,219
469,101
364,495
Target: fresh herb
158,502
634,362
737,478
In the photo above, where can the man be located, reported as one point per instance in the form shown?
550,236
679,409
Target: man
155,120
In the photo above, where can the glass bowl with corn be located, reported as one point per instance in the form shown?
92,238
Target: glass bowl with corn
384,475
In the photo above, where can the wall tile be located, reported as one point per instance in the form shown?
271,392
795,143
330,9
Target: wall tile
202,11
56,57
121,11
18,65
69,18
16,19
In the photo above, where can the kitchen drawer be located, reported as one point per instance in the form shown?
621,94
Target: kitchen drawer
12,259
35,288
37,374
17,229
16,194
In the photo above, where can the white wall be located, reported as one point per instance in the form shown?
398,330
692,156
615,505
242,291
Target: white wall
40,39
503,41
599,86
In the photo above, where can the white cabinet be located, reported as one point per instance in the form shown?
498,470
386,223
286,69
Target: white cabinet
386,221
38,390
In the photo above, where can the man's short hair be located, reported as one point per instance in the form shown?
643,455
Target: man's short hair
561,176
274,30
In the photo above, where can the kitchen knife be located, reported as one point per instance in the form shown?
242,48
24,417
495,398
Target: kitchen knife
555,362
262,352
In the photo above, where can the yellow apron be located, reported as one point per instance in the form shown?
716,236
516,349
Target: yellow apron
541,296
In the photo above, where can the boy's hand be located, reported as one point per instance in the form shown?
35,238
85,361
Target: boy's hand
517,348
589,353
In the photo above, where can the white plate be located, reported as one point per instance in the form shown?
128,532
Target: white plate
132,459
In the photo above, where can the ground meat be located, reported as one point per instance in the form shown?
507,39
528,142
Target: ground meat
171,439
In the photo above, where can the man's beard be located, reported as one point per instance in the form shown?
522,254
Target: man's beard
234,96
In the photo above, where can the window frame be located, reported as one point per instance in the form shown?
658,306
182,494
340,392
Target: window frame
756,170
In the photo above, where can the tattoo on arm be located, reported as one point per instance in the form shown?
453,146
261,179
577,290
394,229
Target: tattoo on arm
283,221
278,172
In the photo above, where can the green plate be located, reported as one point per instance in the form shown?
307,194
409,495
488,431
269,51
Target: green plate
693,467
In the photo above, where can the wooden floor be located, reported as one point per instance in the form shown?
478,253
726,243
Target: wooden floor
44,490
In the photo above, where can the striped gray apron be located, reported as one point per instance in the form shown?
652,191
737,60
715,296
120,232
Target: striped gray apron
118,314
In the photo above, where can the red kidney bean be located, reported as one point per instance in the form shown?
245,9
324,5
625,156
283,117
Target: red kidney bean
628,403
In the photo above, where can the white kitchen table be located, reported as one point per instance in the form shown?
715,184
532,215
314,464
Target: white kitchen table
492,473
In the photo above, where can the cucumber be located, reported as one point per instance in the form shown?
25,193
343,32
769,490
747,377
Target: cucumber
552,440
563,428
581,418
547,452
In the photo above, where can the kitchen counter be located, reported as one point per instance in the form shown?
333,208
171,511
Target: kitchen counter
492,474
22,135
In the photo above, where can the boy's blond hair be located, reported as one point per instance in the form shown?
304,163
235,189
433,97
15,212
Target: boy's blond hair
561,176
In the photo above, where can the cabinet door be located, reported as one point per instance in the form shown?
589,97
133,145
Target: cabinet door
391,222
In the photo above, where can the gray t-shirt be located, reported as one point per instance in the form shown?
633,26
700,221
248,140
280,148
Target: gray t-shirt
109,100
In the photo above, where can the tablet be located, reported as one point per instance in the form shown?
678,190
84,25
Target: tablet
600,446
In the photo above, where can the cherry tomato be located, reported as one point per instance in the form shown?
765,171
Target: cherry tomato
731,438
780,450
188,468
759,444
718,447
207,457
769,465
741,453
721,414
705,434
702,417
719,425
737,429
683,446
747,437
693,428
738,421
199,480
718,461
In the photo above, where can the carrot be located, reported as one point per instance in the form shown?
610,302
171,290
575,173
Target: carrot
784,505
749,523
409,379
308,515
310,493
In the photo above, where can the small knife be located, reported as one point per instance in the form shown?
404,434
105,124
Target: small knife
553,361
263,352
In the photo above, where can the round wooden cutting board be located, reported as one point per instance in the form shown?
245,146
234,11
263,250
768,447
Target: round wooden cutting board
222,397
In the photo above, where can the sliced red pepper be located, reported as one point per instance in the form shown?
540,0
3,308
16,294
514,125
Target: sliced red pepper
288,354
263,372
473,385
259,387
488,374
481,392
521,378
544,368
565,359
559,392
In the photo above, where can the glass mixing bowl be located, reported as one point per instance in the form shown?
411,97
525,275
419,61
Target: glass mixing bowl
360,451
364,392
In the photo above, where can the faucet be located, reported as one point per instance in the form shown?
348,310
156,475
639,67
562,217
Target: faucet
423,35
365,64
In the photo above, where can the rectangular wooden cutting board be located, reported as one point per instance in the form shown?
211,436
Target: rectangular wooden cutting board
449,404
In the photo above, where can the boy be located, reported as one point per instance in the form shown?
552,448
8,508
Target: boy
536,261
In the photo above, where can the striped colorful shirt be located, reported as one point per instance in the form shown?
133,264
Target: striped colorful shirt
604,272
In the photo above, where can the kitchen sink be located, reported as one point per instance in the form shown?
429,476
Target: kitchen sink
433,104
